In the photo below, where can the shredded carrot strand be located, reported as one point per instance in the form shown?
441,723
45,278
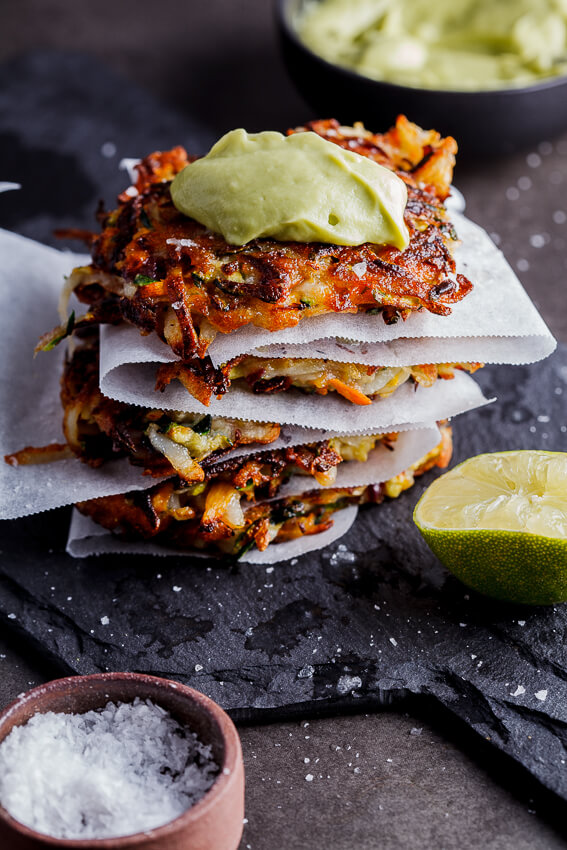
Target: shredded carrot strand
352,395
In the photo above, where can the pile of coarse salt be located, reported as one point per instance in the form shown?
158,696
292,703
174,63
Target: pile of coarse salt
126,768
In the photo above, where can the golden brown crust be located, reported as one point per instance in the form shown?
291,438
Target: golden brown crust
268,376
98,429
187,283
177,518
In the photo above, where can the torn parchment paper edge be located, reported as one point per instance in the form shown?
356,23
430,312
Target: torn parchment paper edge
86,538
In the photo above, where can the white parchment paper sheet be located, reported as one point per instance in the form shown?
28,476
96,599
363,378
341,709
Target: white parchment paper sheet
495,323
134,384
30,412
87,538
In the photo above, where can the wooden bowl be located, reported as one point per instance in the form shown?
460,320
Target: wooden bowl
214,823
490,123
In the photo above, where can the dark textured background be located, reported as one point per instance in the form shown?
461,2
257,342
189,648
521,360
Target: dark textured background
57,112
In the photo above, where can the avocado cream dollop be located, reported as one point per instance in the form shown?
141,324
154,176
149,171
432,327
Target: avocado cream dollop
299,188
449,44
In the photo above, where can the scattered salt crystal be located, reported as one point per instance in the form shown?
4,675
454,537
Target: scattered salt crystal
306,760
393,641
309,777
198,668
104,620
182,243
269,569
306,672
348,683
541,695
176,588
119,770
519,691
11,616
359,269
416,731
108,149
521,622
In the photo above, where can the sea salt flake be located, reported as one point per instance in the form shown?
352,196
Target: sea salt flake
306,672
541,695
309,777
108,149
123,769
393,641
176,588
359,269
346,684
182,243
519,691
104,620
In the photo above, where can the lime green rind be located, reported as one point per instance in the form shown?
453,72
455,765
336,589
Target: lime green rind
509,565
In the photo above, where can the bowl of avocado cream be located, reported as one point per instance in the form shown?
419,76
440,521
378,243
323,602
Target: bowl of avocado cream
492,73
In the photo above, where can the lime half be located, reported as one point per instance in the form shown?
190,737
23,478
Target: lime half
499,523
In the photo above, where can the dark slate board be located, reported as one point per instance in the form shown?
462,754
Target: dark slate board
364,622
66,121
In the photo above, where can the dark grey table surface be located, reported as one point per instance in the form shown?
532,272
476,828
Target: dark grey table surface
389,779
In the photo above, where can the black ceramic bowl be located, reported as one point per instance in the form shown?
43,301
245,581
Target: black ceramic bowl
484,122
